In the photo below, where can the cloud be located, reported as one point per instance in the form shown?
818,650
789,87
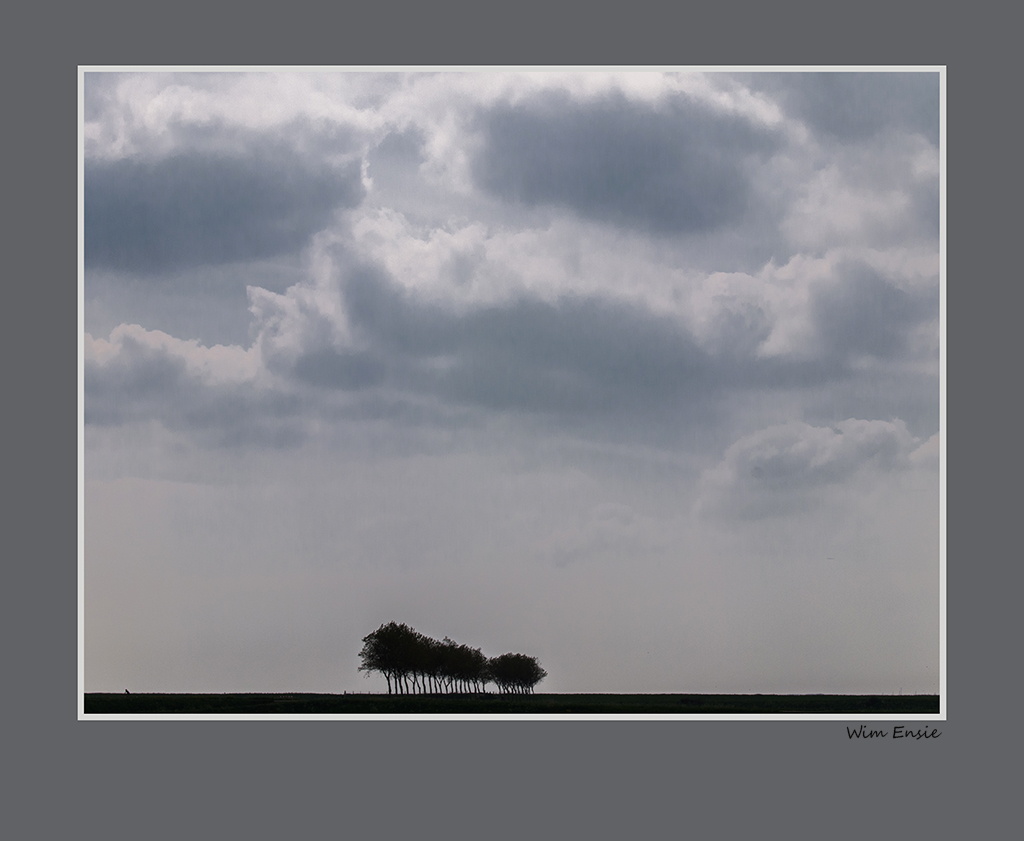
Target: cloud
591,356
218,394
675,168
157,114
853,306
339,369
784,469
197,207
882,191
351,341
352,329
864,313
595,351
927,455
854,107
468,301
524,354
572,355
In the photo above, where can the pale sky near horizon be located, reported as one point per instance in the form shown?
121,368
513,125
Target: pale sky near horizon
637,373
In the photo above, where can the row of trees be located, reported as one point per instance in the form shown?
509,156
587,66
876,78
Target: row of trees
412,662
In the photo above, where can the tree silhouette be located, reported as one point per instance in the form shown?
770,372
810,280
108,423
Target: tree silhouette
390,651
516,672
413,662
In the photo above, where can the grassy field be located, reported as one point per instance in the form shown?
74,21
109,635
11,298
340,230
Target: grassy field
542,703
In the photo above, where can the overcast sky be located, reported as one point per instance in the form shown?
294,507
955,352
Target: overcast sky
637,373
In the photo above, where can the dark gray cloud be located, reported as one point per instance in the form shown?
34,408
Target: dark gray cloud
578,355
864,313
144,383
856,106
678,167
589,363
400,149
340,369
201,207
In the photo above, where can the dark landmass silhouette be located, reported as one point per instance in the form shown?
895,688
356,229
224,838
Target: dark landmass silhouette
298,703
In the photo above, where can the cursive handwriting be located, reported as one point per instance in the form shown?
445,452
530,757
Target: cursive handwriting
898,732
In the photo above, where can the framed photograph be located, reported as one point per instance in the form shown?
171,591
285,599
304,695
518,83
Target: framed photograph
522,392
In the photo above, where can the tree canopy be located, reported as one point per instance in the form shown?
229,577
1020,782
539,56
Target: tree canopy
516,672
412,662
